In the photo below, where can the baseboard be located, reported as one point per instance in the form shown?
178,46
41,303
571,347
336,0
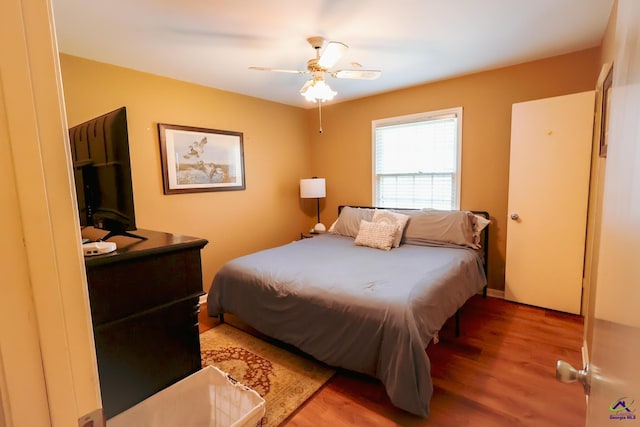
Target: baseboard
203,299
495,293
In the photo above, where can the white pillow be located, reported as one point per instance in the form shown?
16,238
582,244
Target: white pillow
396,219
376,235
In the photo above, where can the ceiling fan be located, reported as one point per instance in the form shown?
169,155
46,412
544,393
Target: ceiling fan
315,89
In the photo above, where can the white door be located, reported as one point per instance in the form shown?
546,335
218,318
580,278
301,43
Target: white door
614,372
548,191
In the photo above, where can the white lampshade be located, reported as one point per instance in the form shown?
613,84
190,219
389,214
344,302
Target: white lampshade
313,188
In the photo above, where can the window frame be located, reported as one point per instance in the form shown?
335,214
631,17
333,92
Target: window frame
413,118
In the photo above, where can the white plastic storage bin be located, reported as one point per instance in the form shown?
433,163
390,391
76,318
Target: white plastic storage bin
208,398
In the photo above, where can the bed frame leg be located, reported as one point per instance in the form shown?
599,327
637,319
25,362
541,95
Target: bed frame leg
457,315
221,317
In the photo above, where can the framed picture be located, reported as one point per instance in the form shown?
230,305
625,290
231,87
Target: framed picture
603,91
197,159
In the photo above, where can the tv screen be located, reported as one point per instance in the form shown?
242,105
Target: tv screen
102,171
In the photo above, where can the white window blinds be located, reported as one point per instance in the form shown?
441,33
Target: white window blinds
416,160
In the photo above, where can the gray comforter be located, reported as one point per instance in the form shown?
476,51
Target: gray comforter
354,307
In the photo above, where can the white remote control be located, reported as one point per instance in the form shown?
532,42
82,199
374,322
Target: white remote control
98,248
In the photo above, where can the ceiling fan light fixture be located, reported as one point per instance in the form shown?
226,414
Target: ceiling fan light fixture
317,90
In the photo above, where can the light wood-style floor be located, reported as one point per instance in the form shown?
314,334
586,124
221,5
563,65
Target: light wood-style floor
499,372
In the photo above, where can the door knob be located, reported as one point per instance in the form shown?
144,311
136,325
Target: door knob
515,216
568,374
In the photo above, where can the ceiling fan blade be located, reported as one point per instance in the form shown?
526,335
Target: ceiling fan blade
306,85
331,54
279,70
356,74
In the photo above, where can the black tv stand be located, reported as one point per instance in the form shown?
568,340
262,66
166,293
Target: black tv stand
123,233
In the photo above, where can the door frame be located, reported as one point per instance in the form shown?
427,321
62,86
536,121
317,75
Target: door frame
48,369
596,190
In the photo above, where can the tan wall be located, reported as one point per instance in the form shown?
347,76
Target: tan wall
276,155
342,153
277,151
608,48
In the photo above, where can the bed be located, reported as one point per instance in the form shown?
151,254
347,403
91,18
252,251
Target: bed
370,308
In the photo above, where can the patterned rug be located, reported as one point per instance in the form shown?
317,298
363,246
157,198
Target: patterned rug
285,380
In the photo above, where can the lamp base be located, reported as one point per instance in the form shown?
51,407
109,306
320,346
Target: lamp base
318,228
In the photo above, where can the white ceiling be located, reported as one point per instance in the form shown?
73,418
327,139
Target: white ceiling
214,42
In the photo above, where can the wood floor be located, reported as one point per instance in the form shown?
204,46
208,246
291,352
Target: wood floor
499,372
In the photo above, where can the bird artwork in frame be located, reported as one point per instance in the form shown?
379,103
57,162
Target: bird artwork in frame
199,159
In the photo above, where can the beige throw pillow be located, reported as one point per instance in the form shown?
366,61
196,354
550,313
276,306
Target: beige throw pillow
377,235
396,219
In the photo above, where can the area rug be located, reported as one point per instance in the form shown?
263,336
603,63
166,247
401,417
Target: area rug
285,380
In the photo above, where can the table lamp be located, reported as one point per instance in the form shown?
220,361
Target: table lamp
314,188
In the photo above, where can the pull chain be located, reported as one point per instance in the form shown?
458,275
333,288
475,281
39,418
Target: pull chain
320,114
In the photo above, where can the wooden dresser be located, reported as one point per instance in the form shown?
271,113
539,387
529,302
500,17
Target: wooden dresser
144,305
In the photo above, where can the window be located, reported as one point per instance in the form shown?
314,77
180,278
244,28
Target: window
416,160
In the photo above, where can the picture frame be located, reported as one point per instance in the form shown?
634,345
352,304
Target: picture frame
198,159
603,93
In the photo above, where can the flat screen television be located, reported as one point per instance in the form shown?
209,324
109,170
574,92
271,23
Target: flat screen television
102,171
